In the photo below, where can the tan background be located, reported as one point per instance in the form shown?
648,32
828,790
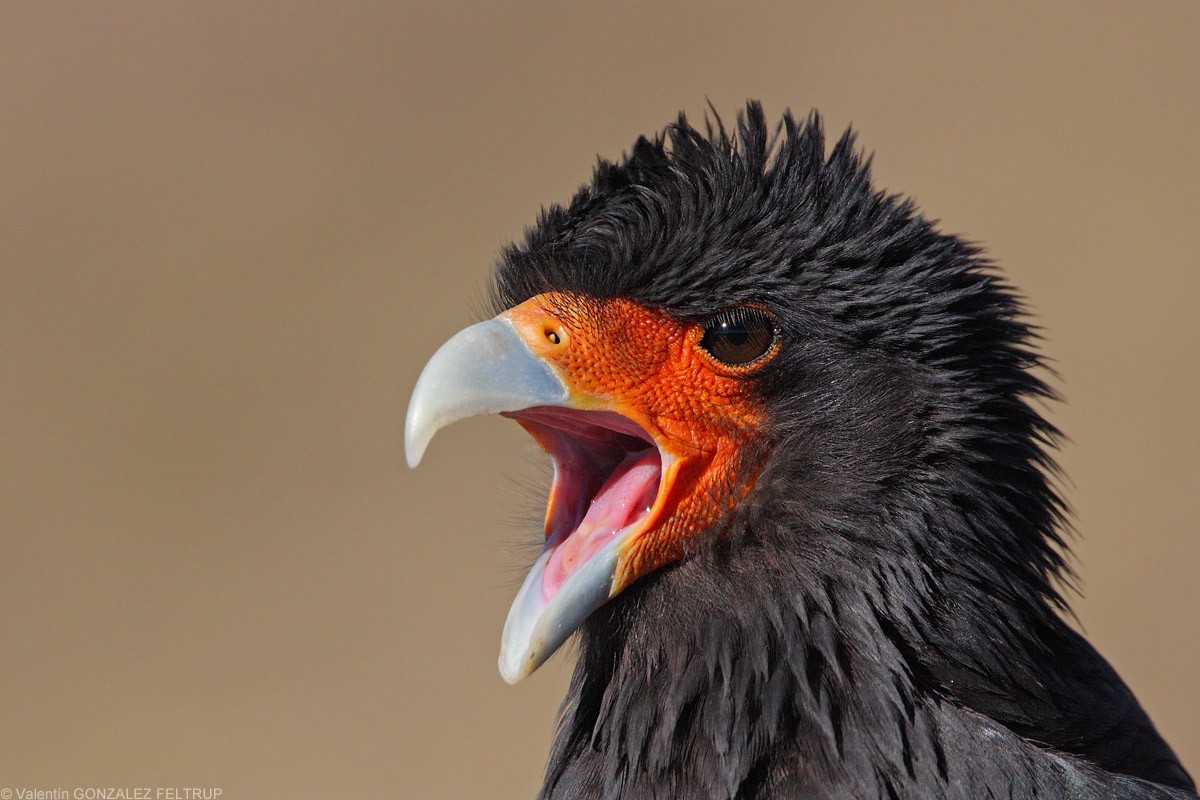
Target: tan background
231,233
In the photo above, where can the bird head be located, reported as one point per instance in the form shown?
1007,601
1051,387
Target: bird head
730,340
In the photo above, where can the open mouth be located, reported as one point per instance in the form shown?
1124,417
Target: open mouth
618,478
607,481
632,482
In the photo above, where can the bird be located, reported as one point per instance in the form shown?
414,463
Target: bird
805,521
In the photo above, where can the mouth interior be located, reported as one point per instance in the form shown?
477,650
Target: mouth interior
607,474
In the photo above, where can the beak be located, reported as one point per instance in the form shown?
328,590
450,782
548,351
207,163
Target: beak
490,368
484,369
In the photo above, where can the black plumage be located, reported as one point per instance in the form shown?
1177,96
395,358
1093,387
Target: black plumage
880,617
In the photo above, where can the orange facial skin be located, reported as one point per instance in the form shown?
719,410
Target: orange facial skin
616,355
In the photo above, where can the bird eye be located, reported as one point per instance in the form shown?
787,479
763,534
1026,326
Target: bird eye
737,336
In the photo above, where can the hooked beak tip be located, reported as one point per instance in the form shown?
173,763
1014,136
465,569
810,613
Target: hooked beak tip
418,427
413,452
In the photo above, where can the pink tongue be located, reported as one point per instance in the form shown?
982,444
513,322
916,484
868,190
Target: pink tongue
627,494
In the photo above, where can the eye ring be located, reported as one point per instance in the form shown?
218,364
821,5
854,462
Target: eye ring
739,337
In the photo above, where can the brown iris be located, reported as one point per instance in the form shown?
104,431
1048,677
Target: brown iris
738,336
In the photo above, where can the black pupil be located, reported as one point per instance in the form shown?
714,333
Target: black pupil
739,336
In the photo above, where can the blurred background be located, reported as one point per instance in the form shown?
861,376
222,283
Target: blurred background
232,233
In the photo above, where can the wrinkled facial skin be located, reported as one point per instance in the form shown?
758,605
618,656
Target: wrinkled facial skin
619,356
